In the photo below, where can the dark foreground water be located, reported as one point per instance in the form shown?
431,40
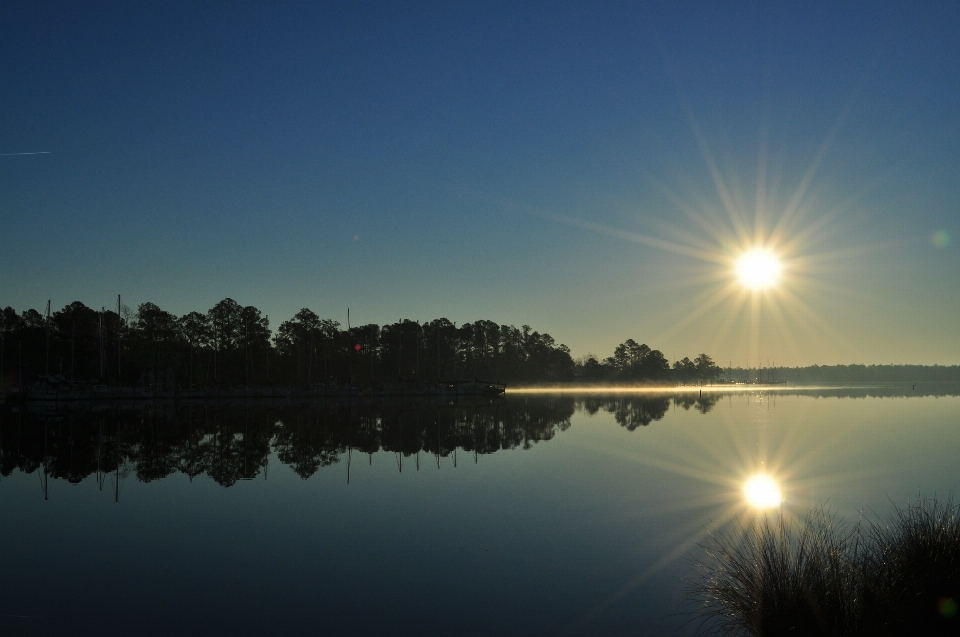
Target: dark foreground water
535,514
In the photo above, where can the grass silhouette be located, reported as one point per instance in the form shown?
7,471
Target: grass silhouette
770,577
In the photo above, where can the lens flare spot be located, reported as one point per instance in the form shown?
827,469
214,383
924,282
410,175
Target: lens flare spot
947,606
763,492
758,269
940,239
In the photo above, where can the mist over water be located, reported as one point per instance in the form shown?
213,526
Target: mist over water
556,513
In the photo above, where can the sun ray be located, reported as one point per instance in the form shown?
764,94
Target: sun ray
734,310
701,308
806,181
634,237
740,227
760,196
702,217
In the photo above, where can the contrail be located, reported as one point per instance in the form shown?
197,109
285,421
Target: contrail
42,152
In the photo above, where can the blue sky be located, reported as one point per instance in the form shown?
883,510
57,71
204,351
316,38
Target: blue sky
588,170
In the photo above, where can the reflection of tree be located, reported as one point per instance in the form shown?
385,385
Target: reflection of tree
633,411
639,411
156,450
232,442
305,443
703,404
629,411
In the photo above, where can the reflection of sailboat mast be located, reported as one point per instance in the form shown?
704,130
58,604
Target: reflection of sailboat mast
191,447
456,432
400,441
349,456
44,478
71,443
116,493
100,475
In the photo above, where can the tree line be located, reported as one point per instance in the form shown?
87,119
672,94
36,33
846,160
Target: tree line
232,345
850,373
632,362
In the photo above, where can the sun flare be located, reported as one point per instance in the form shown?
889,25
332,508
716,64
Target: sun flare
758,269
762,492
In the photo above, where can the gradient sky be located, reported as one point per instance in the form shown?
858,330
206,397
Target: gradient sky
589,171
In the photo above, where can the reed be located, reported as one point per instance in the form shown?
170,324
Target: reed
770,577
910,571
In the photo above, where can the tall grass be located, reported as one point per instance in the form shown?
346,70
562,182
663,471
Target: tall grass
820,577
911,571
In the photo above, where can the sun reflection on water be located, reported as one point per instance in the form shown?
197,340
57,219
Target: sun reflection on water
763,492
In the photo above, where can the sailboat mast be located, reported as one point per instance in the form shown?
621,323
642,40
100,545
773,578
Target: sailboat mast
47,325
100,340
119,326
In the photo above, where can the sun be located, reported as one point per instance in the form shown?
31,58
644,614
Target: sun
758,269
762,492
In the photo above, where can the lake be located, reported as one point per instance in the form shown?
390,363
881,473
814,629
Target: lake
536,513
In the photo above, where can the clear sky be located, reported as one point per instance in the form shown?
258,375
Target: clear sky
592,171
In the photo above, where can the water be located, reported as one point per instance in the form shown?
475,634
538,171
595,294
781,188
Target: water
535,514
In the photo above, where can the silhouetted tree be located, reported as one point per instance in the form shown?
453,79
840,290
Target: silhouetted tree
707,370
156,329
255,340
684,370
226,323
300,339
196,331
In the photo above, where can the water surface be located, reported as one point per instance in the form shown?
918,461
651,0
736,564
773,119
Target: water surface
538,513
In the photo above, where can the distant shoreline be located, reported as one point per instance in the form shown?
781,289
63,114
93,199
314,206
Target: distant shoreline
824,390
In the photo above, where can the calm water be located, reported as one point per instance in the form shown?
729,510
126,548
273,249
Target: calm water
535,514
